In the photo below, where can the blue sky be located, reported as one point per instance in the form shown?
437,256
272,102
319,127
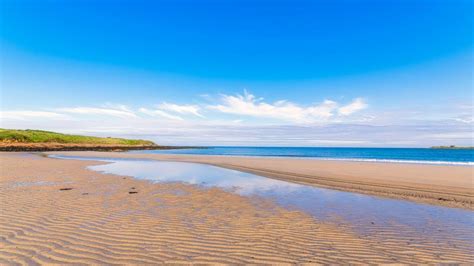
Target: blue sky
292,73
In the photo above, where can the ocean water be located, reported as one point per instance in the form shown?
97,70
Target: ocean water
406,155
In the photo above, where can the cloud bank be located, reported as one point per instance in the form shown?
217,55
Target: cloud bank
244,119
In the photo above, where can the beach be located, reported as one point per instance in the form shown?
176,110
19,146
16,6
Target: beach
445,185
236,133
58,211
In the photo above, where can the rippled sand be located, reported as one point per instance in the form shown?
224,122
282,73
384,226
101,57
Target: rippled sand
98,221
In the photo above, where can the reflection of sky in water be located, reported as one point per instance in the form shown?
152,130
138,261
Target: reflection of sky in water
33,183
197,174
325,204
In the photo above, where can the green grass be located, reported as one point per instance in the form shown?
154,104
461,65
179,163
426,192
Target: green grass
40,136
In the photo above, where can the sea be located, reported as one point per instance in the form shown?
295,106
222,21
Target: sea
400,155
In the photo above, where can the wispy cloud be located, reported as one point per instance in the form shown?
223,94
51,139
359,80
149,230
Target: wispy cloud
240,105
466,113
245,119
355,106
248,105
174,131
182,109
160,113
468,119
24,115
117,112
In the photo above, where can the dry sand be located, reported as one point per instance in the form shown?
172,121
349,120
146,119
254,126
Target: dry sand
451,186
98,221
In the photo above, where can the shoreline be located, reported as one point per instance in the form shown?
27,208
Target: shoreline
449,186
445,163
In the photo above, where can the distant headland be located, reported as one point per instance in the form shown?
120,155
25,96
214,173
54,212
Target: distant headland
40,140
453,147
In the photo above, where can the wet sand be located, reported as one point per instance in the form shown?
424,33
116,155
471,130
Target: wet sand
57,211
451,186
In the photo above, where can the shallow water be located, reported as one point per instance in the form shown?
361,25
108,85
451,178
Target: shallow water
367,215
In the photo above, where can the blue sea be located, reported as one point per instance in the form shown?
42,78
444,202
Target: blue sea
405,155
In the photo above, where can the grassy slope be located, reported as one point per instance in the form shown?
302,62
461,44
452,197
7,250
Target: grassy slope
40,136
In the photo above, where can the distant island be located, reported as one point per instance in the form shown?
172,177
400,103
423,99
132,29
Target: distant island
452,147
40,140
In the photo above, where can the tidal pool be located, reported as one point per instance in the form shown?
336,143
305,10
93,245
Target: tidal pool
367,215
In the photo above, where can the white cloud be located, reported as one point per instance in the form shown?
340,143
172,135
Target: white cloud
232,131
182,109
118,112
451,135
323,110
465,119
356,105
160,113
23,115
248,105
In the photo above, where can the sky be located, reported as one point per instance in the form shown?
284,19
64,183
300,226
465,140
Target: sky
394,73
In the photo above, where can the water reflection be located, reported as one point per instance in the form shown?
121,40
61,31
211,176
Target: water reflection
363,213
197,174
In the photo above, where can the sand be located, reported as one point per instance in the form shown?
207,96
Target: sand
56,212
451,186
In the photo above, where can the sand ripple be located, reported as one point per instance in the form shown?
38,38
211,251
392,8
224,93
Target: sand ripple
99,222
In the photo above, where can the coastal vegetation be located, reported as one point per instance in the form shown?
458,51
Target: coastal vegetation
40,140
40,136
